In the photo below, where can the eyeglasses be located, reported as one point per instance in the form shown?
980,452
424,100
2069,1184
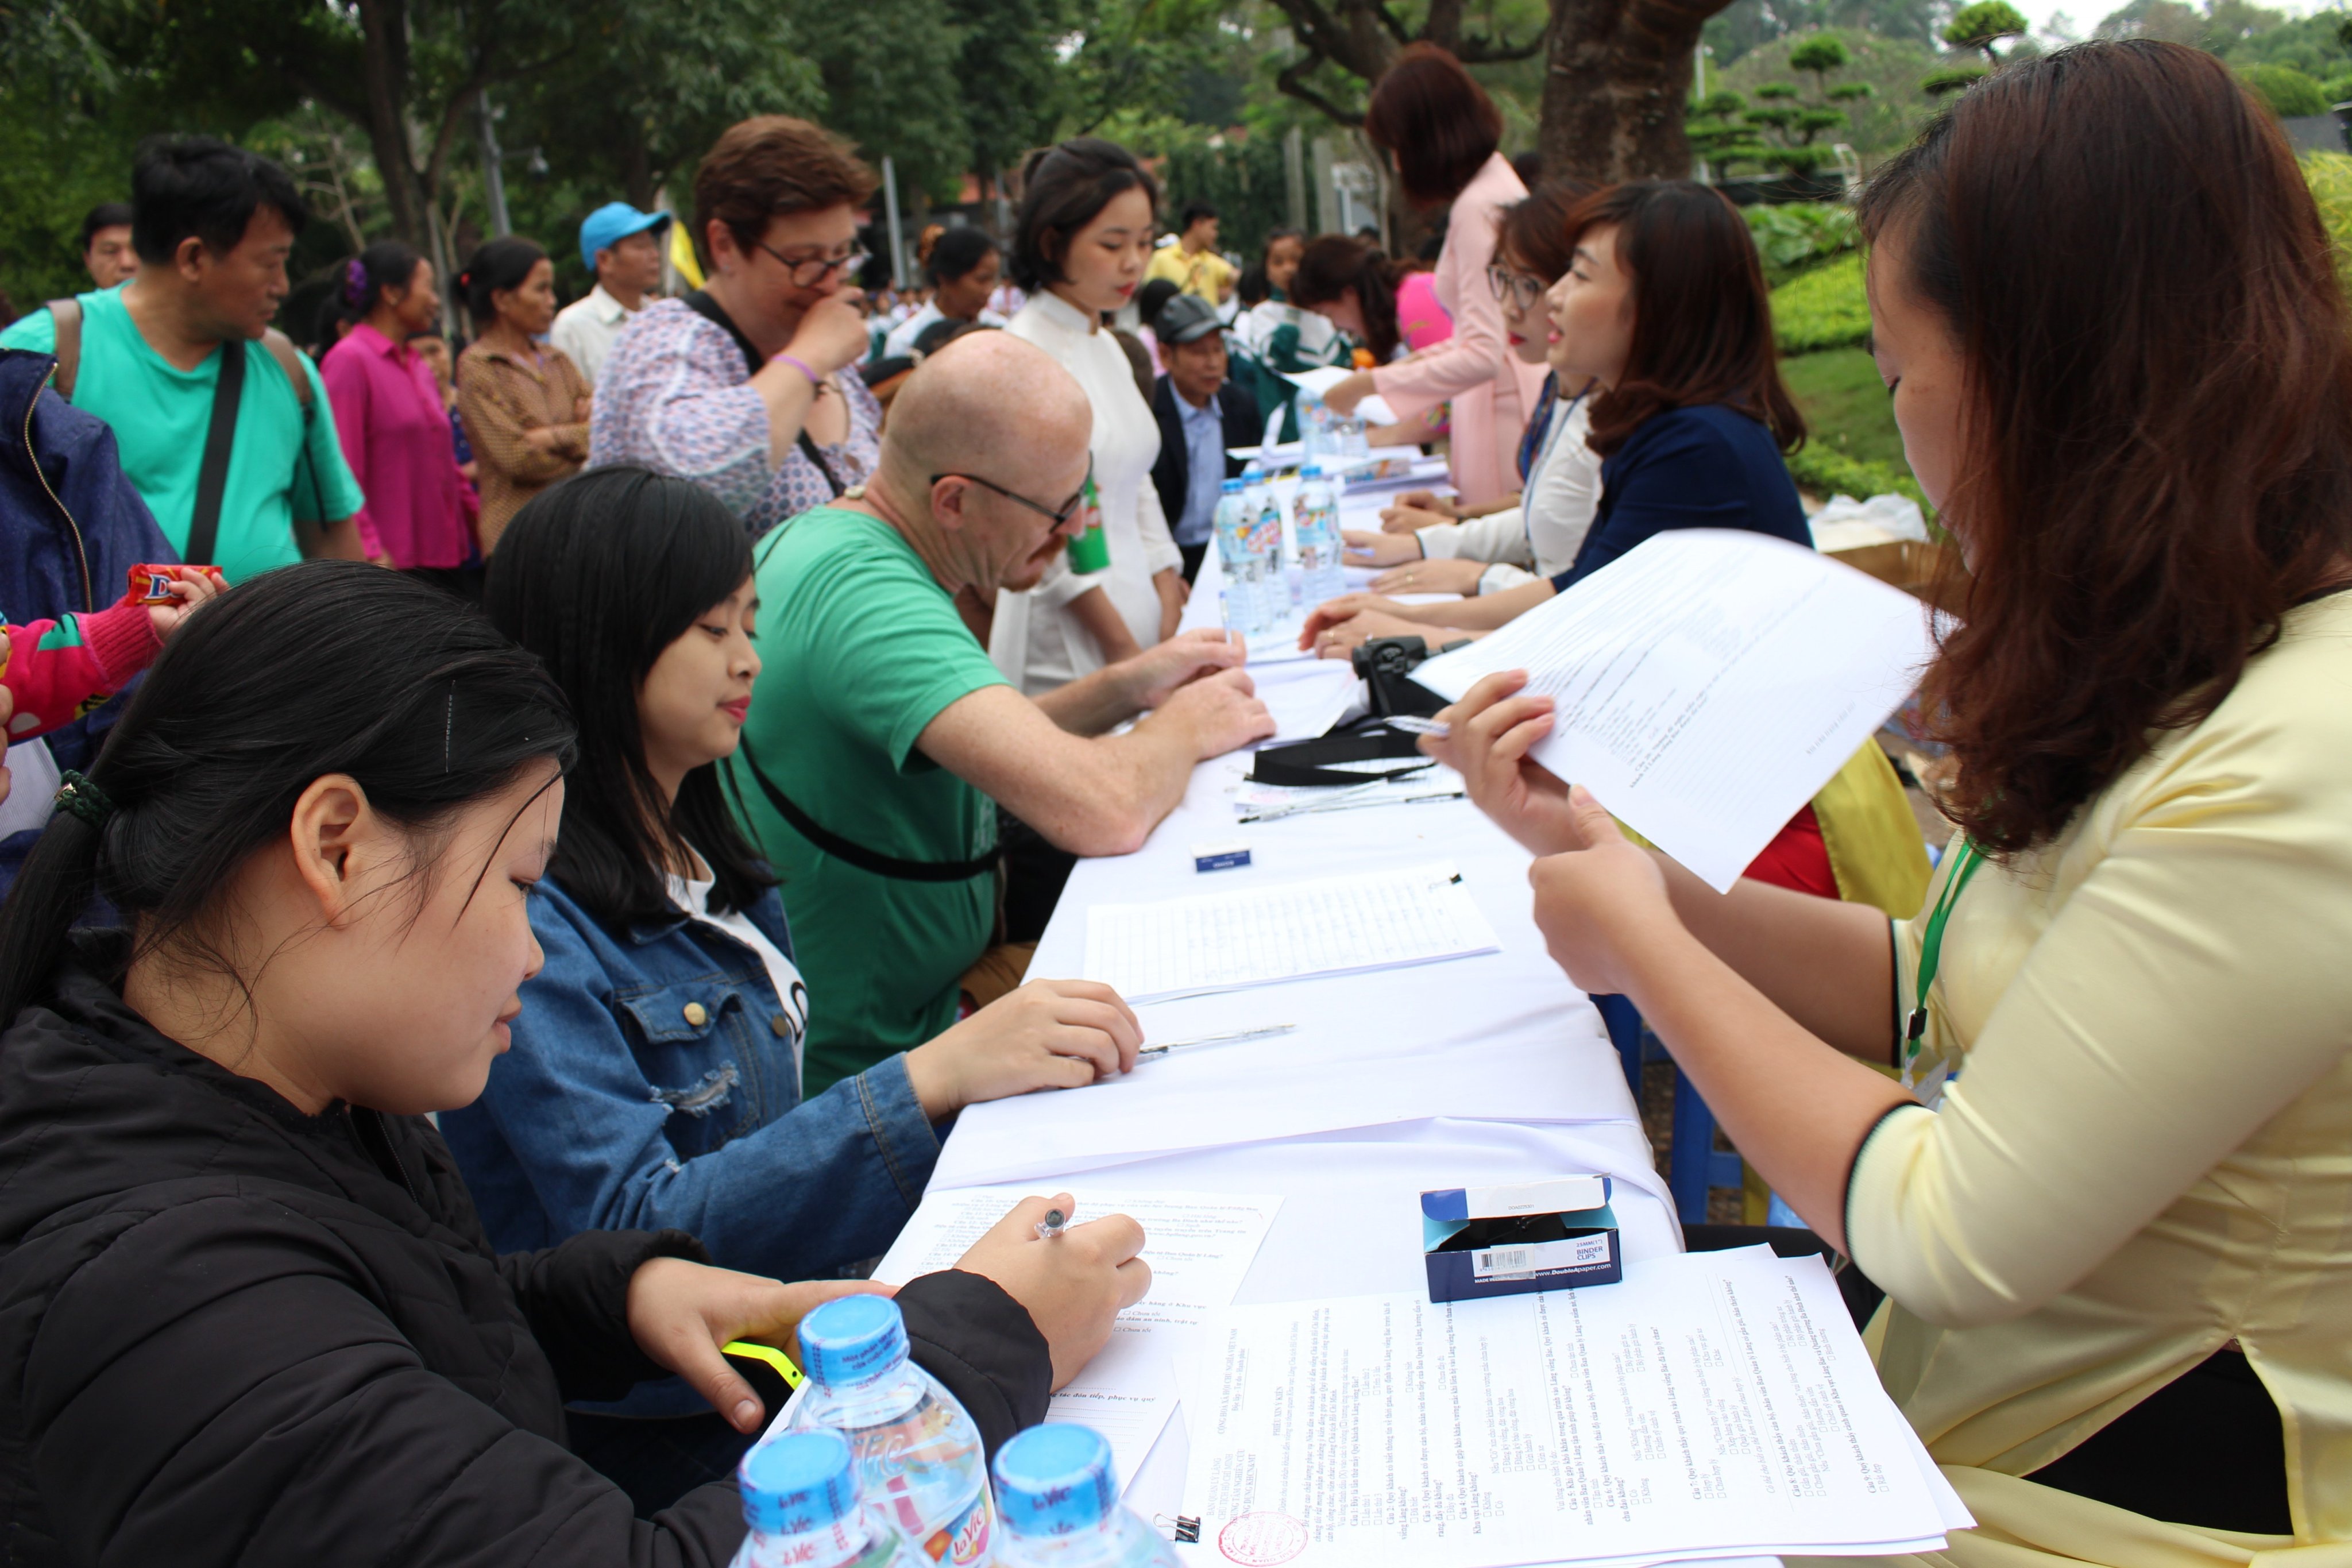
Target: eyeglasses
1068,509
809,271
1510,285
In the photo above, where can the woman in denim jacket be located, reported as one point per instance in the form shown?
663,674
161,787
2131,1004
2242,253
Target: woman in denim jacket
654,1076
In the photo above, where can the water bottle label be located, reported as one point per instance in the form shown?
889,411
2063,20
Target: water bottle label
964,1541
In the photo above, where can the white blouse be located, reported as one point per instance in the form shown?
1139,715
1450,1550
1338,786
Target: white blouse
1545,531
1035,640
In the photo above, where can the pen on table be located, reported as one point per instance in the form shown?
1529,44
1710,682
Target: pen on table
1054,1223
1269,1031
1277,814
1413,724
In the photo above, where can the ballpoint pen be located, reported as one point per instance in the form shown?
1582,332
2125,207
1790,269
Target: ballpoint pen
1266,1033
1413,724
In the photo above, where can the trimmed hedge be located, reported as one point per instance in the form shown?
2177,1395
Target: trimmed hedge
1823,469
1823,308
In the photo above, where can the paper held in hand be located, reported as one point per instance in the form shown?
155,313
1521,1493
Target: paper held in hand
1373,410
1708,684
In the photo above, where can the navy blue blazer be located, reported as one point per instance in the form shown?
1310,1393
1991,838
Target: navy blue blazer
1708,466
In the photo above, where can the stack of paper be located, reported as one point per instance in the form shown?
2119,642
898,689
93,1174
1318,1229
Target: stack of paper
1715,1405
1260,936
1199,1244
1708,683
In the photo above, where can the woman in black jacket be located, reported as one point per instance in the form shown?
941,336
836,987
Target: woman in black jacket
246,1310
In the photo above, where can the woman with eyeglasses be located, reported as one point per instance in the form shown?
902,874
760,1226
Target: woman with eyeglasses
1443,131
747,387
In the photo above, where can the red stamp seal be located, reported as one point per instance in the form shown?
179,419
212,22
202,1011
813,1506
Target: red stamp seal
1262,1540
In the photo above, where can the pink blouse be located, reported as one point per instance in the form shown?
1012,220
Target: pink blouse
396,436
1492,393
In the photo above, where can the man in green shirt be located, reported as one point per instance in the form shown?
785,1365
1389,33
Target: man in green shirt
213,226
881,739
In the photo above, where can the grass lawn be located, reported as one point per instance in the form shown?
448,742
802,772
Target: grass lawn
1845,405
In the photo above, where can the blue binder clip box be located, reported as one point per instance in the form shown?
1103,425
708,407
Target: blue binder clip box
1506,1241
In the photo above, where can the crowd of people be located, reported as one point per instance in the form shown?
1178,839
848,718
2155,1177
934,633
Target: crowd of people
556,828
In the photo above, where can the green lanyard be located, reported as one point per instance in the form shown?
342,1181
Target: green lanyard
1931,947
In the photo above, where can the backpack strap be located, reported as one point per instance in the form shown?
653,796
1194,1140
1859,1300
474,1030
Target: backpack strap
67,316
212,475
289,359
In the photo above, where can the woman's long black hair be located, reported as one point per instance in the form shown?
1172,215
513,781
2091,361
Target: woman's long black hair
331,666
597,575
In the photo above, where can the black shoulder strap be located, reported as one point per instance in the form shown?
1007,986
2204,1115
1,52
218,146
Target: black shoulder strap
857,855
220,434
1309,762
709,309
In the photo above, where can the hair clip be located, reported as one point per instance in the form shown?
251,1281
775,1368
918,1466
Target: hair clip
78,796
354,280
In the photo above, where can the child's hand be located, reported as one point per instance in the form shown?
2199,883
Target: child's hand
191,586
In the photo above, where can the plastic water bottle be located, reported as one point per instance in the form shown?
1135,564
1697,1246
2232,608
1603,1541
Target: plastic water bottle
919,1455
1317,524
801,1500
1314,429
1059,1498
1262,509
1247,606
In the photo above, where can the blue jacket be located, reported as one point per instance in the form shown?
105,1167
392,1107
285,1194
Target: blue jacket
617,1111
1707,467
72,526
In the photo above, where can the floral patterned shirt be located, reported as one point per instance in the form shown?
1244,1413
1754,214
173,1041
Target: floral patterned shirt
675,396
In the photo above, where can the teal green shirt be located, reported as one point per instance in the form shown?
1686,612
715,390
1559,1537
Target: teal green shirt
862,648
278,469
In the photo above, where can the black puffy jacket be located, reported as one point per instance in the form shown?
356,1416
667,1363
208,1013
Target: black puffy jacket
231,1332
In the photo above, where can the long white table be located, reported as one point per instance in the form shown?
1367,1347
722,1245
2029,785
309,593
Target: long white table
1480,1070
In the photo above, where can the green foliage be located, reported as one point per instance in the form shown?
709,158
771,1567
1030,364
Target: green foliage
1776,92
1951,79
1983,24
1749,25
1819,467
1879,122
2289,93
1795,237
2335,90
1820,54
1242,177
1823,309
2330,176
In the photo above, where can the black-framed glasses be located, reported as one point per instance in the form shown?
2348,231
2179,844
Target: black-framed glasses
1068,509
810,271
1510,284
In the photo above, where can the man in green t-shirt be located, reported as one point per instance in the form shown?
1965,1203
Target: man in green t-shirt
881,739
213,226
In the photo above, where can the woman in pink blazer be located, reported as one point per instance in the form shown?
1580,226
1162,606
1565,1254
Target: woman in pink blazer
1443,131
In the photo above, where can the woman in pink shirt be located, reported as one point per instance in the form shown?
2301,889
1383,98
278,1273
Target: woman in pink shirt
394,433
1443,131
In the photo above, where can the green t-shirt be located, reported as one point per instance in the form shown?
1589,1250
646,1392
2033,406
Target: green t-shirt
861,650
160,415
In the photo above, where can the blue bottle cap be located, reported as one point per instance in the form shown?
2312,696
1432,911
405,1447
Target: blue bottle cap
1311,472
797,1482
1054,1480
851,1339
1231,487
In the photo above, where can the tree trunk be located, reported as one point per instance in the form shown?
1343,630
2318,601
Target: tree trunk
383,23
1615,84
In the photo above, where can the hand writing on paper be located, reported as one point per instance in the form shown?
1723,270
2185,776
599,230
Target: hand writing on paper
1602,906
1490,732
1407,518
1366,549
1335,628
1074,1284
1155,674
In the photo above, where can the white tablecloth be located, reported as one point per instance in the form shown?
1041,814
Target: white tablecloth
1480,1070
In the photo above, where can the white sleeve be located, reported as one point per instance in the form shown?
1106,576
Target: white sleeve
1440,541
1497,536
1160,551
1502,575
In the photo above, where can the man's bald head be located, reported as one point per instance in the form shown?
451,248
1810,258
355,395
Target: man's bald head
991,405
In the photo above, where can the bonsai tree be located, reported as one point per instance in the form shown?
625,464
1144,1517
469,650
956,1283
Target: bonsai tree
1720,133
1981,25
1794,124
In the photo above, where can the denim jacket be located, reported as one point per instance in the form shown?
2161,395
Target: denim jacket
652,1084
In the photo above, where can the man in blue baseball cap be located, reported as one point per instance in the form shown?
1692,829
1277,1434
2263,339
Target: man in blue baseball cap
623,246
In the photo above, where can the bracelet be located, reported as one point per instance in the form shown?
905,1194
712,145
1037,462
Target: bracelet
815,381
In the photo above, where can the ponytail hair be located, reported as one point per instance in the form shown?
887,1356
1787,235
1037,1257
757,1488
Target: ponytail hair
497,266
1339,262
330,666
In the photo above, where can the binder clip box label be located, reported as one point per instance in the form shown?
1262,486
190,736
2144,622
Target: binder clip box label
1506,1241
